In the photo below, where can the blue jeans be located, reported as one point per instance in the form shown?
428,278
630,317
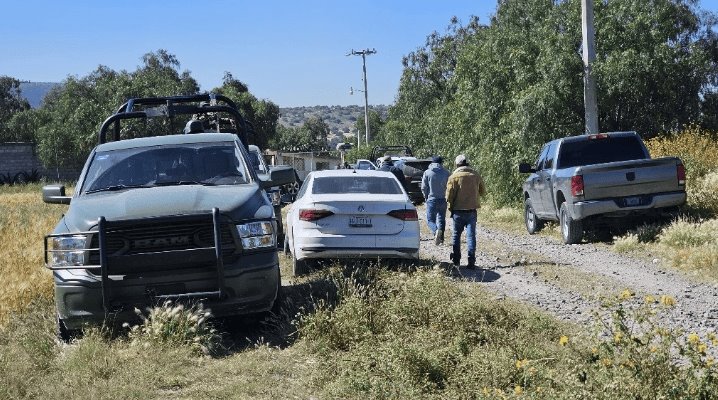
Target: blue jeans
464,219
436,214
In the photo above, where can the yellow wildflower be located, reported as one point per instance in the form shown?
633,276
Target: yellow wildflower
486,391
709,361
532,370
712,337
518,390
563,340
668,301
521,363
649,299
594,350
653,349
606,362
539,389
702,348
617,337
626,294
693,338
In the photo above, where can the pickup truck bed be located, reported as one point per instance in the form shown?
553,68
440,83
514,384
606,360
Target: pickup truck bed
593,179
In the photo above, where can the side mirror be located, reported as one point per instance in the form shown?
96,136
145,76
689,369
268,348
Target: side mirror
55,194
278,176
526,168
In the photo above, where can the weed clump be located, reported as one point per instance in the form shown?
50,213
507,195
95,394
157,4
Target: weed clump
175,325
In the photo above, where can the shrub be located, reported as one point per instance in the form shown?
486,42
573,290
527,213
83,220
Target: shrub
697,148
692,246
174,325
702,194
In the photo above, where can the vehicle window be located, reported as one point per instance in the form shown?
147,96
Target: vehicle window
550,155
257,162
364,165
303,189
598,151
542,156
356,184
198,163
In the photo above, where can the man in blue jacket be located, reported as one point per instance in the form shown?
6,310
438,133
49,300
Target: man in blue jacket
433,185
388,165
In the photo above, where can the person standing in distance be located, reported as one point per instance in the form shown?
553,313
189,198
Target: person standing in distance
388,165
463,190
433,186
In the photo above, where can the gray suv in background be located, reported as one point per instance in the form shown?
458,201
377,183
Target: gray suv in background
166,217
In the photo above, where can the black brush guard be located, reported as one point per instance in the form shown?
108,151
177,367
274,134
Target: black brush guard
110,266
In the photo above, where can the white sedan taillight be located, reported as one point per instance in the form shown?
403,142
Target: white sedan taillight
313,215
404,215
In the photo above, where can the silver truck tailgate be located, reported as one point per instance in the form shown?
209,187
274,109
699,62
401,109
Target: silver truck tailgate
629,178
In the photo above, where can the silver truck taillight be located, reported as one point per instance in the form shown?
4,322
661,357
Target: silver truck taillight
577,185
681,171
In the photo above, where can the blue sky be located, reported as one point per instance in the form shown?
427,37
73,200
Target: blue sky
289,52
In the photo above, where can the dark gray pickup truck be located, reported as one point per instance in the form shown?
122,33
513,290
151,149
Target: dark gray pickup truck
593,180
177,217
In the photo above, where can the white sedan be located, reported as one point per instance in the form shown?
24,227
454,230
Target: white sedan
351,214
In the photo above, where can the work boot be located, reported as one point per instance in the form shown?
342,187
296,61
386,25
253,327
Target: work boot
439,238
455,259
472,263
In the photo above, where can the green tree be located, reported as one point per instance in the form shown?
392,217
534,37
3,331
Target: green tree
262,114
11,103
74,111
497,92
375,125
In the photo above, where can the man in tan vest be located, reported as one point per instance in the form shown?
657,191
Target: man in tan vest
463,190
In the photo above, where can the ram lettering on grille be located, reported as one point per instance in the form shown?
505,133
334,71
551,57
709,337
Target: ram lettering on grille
161,242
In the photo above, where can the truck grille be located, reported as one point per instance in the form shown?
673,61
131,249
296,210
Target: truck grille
154,236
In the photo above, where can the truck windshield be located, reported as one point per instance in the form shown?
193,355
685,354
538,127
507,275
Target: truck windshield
599,151
216,163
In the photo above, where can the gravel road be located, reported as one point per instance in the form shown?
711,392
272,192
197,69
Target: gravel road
569,280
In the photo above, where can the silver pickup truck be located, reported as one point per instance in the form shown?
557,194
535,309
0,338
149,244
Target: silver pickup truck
593,180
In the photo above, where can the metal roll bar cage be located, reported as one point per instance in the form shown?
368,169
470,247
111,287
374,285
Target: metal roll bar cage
173,106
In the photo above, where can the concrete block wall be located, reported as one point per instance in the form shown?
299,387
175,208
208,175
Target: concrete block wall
22,157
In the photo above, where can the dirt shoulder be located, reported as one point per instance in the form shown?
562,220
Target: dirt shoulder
569,281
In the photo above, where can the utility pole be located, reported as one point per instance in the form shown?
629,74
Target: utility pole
589,56
363,54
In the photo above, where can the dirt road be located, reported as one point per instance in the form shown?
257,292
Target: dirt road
569,281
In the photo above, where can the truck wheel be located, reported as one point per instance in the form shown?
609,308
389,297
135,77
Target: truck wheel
571,231
299,267
533,223
280,225
63,334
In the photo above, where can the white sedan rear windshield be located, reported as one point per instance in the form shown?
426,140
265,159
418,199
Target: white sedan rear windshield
356,184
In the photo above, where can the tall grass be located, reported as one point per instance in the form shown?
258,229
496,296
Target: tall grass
420,335
24,221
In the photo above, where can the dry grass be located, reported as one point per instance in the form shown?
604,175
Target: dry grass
24,221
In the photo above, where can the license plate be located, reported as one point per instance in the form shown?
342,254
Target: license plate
360,222
633,201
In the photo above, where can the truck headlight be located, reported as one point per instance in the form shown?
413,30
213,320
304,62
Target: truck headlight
68,251
257,235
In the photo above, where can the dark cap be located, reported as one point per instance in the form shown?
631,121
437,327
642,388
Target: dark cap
437,159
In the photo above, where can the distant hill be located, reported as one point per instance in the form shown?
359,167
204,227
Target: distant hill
34,92
341,119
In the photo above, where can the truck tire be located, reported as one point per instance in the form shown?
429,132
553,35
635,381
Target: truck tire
533,223
299,267
280,226
571,230
63,334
